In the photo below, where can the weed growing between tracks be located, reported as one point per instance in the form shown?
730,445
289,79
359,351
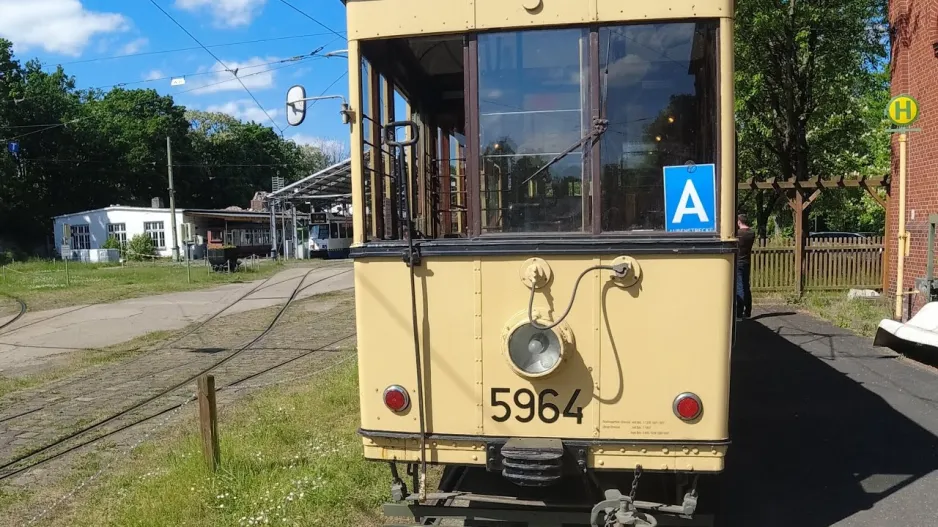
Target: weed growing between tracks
289,456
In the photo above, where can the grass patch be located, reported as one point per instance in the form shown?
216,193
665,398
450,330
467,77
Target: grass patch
860,315
289,456
42,284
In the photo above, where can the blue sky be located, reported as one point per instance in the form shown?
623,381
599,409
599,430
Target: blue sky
85,36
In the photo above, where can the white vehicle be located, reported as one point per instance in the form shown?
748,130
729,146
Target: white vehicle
330,236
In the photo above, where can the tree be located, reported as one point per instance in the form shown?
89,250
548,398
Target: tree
80,150
808,86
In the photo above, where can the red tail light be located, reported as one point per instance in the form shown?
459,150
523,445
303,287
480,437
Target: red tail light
687,406
396,398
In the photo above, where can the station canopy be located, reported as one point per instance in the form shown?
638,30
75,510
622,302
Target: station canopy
330,186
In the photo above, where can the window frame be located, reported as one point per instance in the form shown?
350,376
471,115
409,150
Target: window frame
592,196
120,234
81,240
161,233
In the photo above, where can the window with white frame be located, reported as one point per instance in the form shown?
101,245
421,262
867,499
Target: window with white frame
81,236
154,229
119,231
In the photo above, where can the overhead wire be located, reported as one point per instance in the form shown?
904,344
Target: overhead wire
300,11
192,48
220,62
287,63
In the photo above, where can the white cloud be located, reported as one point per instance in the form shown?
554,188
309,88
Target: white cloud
134,46
245,110
153,75
251,72
225,13
56,26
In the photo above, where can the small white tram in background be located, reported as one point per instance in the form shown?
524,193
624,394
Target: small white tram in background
330,235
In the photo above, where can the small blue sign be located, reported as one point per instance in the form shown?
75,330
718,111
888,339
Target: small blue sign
690,196
13,147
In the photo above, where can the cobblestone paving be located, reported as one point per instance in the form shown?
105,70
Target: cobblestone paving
312,333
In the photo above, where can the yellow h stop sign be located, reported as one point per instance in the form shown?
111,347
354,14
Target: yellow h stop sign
902,110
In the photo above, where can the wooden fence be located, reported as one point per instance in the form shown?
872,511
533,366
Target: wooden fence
830,264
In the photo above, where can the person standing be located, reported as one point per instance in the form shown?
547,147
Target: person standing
745,238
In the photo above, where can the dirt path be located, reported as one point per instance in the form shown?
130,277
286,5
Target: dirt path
38,337
311,333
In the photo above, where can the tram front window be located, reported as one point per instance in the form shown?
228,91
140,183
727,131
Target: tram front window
533,86
658,89
320,232
660,95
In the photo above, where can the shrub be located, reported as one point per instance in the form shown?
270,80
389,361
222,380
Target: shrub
140,247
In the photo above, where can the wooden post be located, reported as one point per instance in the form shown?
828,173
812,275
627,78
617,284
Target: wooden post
67,283
799,241
208,421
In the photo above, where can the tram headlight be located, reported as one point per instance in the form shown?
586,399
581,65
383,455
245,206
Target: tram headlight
534,352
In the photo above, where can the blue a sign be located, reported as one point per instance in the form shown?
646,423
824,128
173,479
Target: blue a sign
13,147
690,196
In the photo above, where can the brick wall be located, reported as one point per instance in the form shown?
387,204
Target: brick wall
914,25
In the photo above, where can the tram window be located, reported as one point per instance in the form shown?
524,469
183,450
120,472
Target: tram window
333,230
533,86
320,232
661,100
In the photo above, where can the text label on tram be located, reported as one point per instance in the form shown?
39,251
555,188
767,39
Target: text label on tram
533,406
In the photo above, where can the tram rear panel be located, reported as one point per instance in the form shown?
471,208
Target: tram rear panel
631,352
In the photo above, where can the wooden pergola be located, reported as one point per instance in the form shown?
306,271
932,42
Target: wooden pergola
799,200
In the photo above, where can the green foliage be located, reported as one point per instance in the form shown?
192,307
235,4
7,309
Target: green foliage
140,247
112,243
811,88
110,148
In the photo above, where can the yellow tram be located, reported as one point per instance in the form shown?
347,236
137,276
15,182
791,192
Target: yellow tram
544,253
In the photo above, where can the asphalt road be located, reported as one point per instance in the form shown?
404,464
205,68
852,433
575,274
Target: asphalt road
828,430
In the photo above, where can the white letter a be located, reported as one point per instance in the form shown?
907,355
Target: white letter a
690,193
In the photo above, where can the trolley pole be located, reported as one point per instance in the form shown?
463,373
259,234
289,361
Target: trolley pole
172,198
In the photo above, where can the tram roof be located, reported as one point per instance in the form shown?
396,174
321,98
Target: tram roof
332,183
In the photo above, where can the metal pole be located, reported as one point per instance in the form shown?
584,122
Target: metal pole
283,230
172,198
296,252
273,230
67,282
188,258
902,236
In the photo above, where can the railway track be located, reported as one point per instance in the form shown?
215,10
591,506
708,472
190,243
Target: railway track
23,308
265,284
63,445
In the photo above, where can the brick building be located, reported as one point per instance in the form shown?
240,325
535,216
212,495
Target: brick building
914,39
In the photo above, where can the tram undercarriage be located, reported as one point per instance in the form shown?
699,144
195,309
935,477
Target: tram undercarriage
546,482
481,497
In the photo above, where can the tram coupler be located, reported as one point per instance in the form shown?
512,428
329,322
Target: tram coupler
618,510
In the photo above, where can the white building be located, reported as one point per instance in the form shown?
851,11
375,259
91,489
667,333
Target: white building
90,229
247,229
